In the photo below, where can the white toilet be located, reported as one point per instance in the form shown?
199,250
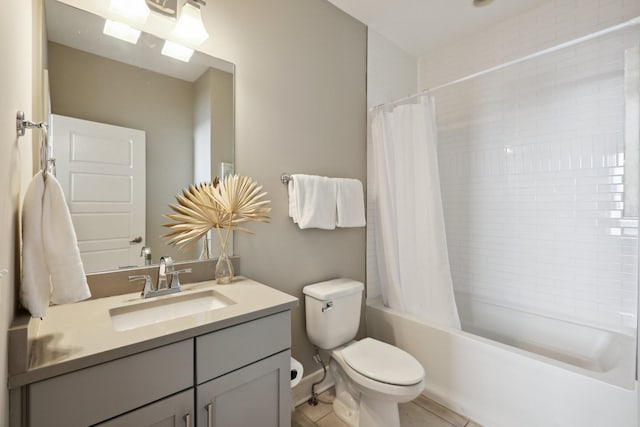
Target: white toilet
371,377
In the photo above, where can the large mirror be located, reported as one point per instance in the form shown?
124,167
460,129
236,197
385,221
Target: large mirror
130,128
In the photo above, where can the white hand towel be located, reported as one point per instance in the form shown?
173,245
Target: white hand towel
293,201
51,264
350,203
35,288
312,201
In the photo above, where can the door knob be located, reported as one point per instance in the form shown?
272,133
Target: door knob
136,240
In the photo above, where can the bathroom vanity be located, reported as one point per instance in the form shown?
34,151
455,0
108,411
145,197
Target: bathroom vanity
212,355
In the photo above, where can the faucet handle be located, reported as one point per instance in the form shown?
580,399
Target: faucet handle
166,264
147,282
175,277
165,267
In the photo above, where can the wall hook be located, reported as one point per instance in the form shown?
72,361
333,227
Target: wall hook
22,125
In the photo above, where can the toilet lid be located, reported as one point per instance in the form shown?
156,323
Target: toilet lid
383,362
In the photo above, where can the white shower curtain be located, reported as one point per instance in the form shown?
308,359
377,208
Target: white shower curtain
411,246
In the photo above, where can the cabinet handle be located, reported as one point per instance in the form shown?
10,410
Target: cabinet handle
209,409
187,420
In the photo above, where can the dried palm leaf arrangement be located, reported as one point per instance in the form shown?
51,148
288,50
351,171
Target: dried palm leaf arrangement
222,205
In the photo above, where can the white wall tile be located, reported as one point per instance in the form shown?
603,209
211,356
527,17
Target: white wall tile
532,176
532,166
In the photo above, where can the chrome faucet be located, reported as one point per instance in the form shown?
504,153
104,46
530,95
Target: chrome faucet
145,253
163,287
166,267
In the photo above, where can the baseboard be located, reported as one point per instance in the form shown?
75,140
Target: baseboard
302,392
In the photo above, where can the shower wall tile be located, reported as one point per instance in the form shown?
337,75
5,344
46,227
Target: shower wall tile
532,175
533,185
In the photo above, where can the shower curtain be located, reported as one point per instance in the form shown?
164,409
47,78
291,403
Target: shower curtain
411,247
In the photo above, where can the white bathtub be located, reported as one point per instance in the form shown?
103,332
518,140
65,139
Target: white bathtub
598,353
540,384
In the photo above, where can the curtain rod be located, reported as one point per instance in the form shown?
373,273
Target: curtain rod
596,34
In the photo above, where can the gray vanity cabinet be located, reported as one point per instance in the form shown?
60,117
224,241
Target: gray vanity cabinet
251,396
237,376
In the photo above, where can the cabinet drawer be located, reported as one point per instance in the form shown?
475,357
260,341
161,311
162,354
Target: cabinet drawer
94,394
228,349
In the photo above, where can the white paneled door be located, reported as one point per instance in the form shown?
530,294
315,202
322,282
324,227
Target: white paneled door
101,169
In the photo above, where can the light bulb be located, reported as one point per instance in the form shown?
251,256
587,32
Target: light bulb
177,51
130,10
189,27
121,31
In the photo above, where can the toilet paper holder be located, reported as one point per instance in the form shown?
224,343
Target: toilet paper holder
296,372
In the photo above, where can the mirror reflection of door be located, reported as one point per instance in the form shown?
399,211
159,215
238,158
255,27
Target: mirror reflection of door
101,169
185,109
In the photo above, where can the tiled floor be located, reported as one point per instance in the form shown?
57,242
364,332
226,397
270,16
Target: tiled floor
421,412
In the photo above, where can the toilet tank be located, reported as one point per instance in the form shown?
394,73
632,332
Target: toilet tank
332,309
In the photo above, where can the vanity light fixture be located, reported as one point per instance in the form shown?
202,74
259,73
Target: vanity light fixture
189,27
164,7
121,31
177,51
134,11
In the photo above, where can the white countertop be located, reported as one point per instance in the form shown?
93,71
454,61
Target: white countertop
80,335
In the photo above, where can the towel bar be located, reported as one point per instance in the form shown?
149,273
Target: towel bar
285,178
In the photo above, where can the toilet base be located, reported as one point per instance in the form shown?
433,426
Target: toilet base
371,413
378,413
347,401
347,414
357,409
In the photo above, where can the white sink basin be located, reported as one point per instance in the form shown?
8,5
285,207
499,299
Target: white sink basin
166,308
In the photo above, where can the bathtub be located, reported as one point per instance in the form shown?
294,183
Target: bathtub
509,368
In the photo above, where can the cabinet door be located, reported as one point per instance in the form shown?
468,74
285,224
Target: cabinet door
101,392
256,395
174,411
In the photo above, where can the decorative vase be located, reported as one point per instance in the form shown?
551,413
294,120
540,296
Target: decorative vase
224,268
205,247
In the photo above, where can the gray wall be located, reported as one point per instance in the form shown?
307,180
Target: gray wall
213,97
94,88
222,130
300,107
20,70
213,133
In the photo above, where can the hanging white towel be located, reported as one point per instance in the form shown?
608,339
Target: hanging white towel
51,266
312,201
350,203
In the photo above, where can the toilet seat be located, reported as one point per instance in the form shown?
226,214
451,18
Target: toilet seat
382,362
